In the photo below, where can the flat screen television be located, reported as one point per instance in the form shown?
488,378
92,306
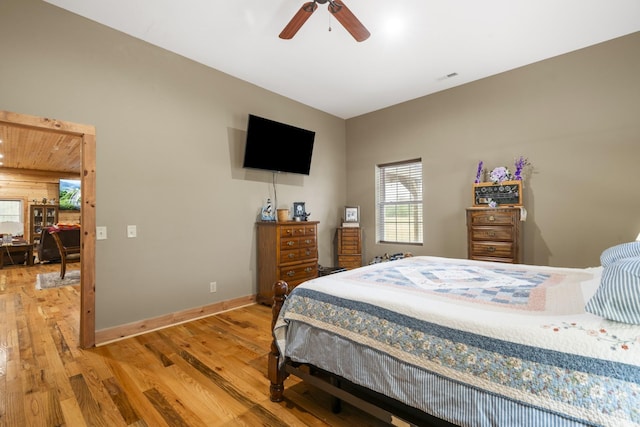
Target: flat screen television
278,147
69,194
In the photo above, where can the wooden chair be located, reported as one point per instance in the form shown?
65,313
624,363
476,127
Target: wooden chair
67,253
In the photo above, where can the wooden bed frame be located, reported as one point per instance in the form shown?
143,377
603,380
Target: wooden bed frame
376,404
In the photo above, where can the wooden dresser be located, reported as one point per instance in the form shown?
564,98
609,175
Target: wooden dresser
494,234
349,247
286,251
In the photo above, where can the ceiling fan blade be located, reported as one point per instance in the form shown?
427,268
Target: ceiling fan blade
298,20
348,20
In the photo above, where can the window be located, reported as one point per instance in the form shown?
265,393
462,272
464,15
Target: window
10,210
399,202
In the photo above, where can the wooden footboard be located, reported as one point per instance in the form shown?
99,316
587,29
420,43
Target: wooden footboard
276,369
375,404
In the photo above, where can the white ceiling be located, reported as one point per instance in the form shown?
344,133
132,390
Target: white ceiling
413,46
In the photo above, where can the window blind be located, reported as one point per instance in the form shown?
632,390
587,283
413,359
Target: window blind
399,202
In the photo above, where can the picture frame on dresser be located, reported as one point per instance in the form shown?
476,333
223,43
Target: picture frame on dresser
352,214
299,210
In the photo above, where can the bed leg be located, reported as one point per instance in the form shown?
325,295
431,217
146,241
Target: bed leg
276,371
336,403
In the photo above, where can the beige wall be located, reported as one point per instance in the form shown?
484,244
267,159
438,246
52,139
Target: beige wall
576,117
170,137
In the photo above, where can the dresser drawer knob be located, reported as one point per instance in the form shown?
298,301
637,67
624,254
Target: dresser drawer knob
291,273
491,249
291,255
492,218
491,234
308,269
308,241
291,243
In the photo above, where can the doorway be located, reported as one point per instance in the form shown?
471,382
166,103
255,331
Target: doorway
87,134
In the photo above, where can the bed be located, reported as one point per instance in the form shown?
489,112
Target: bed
460,342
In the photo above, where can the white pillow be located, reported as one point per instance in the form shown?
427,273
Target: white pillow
618,252
618,296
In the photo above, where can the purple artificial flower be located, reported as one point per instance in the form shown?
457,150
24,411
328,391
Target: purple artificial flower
479,172
520,164
500,174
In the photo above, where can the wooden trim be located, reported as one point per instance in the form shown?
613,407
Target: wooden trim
105,336
88,243
88,212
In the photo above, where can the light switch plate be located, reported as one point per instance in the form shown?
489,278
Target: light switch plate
131,231
101,233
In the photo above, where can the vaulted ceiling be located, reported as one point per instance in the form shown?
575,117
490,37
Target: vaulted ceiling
416,47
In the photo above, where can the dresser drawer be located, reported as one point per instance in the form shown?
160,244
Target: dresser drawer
353,232
299,272
350,249
349,261
289,243
492,217
295,230
308,241
492,233
492,249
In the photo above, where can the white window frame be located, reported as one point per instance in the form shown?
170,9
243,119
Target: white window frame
8,212
399,189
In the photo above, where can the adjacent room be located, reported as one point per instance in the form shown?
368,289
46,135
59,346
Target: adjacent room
163,165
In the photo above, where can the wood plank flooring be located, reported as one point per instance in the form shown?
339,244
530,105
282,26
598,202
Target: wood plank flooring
208,372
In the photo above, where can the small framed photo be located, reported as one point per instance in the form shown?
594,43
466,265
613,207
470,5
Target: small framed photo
351,213
299,210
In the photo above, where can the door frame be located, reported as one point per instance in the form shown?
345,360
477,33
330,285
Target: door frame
87,212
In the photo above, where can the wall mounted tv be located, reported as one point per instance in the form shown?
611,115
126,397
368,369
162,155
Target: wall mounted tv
69,194
277,146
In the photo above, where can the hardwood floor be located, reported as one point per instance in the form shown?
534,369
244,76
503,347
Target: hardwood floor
208,372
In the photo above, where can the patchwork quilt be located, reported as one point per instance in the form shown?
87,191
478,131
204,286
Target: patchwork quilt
474,343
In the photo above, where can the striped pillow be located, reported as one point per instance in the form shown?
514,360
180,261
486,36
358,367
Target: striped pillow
618,296
618,252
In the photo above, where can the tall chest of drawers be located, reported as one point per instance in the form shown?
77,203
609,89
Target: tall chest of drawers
494,234
349,247
286,251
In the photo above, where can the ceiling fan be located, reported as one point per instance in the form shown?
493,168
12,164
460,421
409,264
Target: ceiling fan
337,9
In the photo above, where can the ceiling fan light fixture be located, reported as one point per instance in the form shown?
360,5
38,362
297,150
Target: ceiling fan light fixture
337,8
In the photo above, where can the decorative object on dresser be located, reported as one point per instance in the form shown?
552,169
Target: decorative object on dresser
286,251
299,211
507,193
352,214
349,247
40,217
495,234
267,213
283,215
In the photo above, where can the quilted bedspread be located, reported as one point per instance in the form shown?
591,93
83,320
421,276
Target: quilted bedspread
515,333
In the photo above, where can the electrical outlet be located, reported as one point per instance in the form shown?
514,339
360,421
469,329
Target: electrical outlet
213,286
132,231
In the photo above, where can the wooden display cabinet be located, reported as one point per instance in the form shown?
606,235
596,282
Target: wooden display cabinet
40,217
